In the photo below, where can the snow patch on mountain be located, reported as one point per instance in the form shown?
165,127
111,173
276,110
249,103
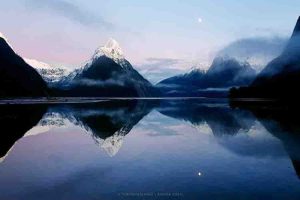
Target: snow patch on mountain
111,50
201,67
203,128
49,73
204,66
110,145
37,64
6,40
113,144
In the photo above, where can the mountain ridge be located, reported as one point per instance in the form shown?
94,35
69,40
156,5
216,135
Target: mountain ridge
223,73
17,78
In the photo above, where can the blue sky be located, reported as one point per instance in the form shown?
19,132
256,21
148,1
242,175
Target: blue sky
67,32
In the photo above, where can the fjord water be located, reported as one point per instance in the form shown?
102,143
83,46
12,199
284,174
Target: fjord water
148,149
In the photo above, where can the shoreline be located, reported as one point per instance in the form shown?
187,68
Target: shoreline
77,100
73,100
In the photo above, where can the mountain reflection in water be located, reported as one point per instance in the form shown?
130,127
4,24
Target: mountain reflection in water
245,131
107,122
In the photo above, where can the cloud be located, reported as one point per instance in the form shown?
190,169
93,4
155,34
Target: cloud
99,83
69,11
163,61
200,20
258,51
157,69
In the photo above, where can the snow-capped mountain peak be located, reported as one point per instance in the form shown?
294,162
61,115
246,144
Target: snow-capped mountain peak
111,50
113,144
201,67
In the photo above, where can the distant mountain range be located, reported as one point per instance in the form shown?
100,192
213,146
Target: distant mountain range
50,74
106,74
224,73
281,77
109,74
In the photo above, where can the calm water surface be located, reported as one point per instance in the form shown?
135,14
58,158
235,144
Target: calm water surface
147,149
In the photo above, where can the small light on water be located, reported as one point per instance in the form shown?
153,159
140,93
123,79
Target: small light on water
199,174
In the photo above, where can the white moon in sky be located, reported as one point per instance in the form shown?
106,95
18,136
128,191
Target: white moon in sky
200,20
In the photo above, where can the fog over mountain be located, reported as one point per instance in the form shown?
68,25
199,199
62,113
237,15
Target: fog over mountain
257,51
224,73
280,78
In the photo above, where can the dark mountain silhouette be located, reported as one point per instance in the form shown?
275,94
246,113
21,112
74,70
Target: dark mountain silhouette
281,77
224,73
107,74
15,121
192,78
182,85
17,78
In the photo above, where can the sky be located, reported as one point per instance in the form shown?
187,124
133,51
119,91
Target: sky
160,38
